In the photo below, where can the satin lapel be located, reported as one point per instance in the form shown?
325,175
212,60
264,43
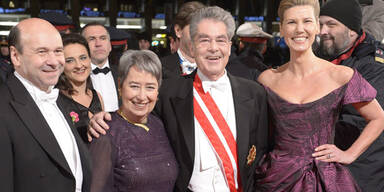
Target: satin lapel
32,118
83,151
183,107
243,110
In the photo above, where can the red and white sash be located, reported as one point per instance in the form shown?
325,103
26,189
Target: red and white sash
218,132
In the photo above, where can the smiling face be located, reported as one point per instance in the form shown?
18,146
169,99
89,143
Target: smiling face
41,60
139,94
211,48
77,63
335,37
299,28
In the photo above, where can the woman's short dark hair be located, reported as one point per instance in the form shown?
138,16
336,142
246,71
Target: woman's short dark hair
63,83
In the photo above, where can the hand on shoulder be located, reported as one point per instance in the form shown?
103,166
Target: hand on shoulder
97,125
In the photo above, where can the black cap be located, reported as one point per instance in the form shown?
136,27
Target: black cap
59,20
118,36
347,12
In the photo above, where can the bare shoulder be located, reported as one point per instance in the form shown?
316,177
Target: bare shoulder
267,77
341,74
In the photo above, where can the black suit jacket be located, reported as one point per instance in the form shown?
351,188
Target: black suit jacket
31,159
171,66
175,107
114,71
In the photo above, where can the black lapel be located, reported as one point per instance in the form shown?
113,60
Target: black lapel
244,105
34,120
182,104
114,71
175,64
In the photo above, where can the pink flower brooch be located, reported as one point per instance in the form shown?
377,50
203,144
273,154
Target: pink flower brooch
74,117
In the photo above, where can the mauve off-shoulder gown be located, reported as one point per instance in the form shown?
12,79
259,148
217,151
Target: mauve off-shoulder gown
297,130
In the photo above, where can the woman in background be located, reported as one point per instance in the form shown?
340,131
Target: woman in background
75,85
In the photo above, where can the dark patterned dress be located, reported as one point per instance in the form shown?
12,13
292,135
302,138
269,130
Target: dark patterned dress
128,158
82,111
297,130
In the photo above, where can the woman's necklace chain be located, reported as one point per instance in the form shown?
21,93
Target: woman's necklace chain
120,112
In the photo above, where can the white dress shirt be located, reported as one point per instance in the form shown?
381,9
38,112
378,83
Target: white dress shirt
208,173
105,85
187,67
58,125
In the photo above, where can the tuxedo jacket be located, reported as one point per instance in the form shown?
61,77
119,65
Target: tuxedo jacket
114,70
175,107
171,66
31,158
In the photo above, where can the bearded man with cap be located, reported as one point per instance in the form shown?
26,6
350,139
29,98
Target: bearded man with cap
343,42
253,44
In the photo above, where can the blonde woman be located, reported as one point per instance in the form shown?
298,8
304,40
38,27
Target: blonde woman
305,97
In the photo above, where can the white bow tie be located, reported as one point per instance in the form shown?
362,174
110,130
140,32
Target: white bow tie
188,67
218,85
48,97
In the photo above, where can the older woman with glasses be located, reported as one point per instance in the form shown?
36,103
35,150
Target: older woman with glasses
135,155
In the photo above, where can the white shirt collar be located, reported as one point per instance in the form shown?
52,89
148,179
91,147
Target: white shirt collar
205,78
182,56
221,84
31,88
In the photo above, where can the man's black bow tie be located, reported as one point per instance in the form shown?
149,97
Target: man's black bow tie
104,70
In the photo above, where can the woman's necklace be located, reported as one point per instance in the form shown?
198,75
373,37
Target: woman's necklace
120,112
